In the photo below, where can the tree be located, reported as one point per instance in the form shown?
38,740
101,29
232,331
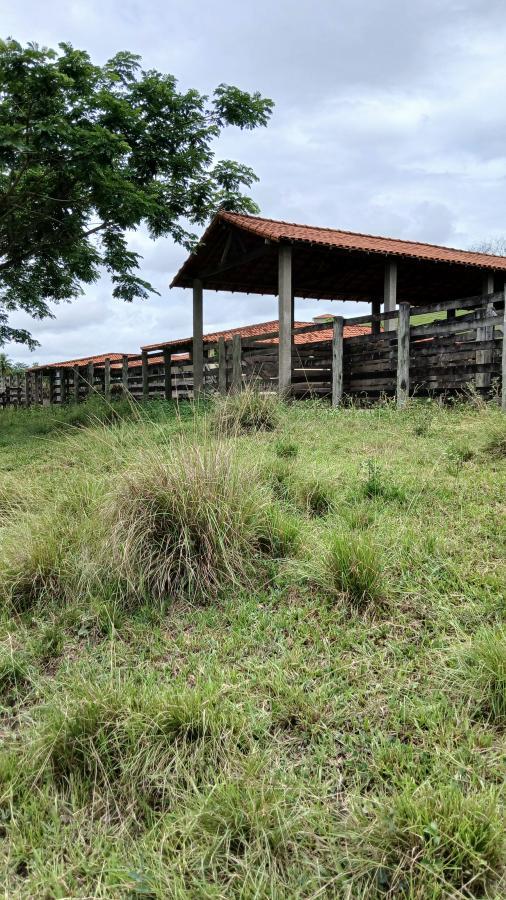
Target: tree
89,152
494,247
8,367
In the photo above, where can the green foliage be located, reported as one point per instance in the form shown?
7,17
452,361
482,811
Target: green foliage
186,527
352,568
269,743
286,449
249,410
434,843
88,153
483,673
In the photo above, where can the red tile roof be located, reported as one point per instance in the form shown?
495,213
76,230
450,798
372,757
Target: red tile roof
211,338
256,331
274,230
82,361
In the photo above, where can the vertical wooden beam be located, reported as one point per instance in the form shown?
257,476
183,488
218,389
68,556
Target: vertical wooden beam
222,365
503,359
107,378
51,382
167,374
63,385
145,375
285,307
40,388
76,383
27,389
124,373
198,335
90,374
403,356
337,361
236,364
7,390
390,292
487,284
17,389
33,388
376,317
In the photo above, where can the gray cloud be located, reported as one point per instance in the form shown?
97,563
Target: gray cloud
389,119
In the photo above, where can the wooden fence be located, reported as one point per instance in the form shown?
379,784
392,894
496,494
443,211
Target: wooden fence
464,347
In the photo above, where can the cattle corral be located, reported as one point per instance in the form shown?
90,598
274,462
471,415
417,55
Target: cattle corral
435,327
445,355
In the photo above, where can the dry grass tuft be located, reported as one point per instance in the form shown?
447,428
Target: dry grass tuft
187,526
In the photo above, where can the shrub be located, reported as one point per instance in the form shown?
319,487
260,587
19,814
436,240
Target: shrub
482,674
437,840
189,526
352,568
248,410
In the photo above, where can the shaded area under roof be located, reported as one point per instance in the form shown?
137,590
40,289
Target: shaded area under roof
240,253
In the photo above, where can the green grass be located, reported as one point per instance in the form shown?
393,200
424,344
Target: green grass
253,650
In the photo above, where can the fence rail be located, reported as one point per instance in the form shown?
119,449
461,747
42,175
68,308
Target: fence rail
465,347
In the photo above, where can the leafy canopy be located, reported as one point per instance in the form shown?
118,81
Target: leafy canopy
89,152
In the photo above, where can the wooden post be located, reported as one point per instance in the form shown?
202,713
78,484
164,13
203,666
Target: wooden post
482,379
51,381
40,387
107,378
236,364
27,388
390,292
7,390
17,389
124,373
198,334
63,385
487,284
145,375
285,307
76,384
90,374
222,365
337,361
503,360
376,317
403,356
167,374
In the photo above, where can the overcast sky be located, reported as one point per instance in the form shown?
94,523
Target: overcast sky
389,119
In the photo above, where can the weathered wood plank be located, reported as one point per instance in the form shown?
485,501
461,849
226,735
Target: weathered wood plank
337,361
236,363
222,363
403,356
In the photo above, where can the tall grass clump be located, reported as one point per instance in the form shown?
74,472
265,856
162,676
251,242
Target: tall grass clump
436,842
482,674
246,411
352,568
140,742
190,524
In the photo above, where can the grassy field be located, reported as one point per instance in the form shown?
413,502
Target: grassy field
243,661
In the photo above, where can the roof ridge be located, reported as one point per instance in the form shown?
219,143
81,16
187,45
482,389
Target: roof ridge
364,234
